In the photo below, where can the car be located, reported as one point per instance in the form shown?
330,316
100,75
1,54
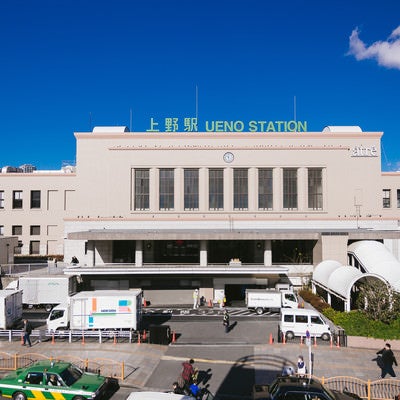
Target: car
297,388
54,380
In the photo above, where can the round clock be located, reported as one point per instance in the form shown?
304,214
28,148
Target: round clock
228,157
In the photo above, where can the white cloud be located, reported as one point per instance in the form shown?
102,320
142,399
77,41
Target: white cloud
386,53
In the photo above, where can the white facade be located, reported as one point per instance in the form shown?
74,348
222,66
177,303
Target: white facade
282,199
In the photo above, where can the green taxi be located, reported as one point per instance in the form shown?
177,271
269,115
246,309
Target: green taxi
46,380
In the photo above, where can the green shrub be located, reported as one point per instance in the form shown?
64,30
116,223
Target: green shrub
355,323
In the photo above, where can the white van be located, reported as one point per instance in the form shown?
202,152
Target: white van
296,322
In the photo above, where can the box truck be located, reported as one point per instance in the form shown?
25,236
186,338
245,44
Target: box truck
98,309
45,291
261,300
10,308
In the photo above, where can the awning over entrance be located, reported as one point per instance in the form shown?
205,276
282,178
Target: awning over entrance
226,234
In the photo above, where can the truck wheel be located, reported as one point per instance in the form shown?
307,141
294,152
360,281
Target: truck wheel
259,311
289,335
78,398
325,336
19,396
48,307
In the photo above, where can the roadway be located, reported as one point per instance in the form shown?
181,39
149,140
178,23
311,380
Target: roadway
229,363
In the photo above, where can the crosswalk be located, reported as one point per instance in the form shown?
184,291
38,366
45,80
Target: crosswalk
204,311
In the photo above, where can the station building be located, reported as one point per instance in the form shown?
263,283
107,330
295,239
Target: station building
220,211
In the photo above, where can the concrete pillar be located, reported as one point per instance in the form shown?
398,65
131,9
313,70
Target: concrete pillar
139,253
91,253
329,298
203,253
267,253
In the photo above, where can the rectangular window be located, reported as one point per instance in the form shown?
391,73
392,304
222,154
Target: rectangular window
191,190
16,230
18,249
17,198
166,189
265,190
301,319
315,188
35,198
34,247
216,189
398,198
290,188
142,189
1,198
386,198
240,189
35,230
1,230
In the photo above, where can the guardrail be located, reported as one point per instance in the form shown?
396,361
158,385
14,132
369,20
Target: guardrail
104,366
75,335
376,390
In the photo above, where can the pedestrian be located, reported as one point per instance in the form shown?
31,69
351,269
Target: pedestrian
288,370
195,298
187,373
386,360
74,260
176,388
225,320
301,367
27,330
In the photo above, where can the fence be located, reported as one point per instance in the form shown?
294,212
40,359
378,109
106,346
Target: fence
376,390
80,335
104,366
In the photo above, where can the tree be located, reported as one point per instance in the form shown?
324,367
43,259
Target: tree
378,301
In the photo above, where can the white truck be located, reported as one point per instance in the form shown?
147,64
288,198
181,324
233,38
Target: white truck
44,291
10,308
261,300
98,309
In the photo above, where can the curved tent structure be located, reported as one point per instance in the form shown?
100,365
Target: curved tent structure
376,259
338,280
323,271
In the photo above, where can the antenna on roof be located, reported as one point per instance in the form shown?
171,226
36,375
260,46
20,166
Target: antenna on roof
130,120
294,111
197,102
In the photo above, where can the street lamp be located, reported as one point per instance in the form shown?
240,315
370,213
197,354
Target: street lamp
7,247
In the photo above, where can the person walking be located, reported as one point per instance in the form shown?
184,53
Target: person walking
301,367
195,299
225,320
387,359
27,330
187,374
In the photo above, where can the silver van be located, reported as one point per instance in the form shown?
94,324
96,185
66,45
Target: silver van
296,322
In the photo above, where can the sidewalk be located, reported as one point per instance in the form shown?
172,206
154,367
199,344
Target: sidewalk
266,359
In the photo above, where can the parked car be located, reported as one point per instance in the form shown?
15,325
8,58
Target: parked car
54,380
296,388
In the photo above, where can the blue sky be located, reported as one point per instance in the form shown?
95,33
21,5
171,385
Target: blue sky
67,66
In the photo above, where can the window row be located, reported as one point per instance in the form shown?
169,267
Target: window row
17,199
191,191
16,230
386,198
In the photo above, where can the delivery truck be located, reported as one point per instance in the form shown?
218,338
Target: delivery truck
261,300
10,308
98,309
45,291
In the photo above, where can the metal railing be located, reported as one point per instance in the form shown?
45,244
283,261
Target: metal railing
104,366
42,335
376,390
